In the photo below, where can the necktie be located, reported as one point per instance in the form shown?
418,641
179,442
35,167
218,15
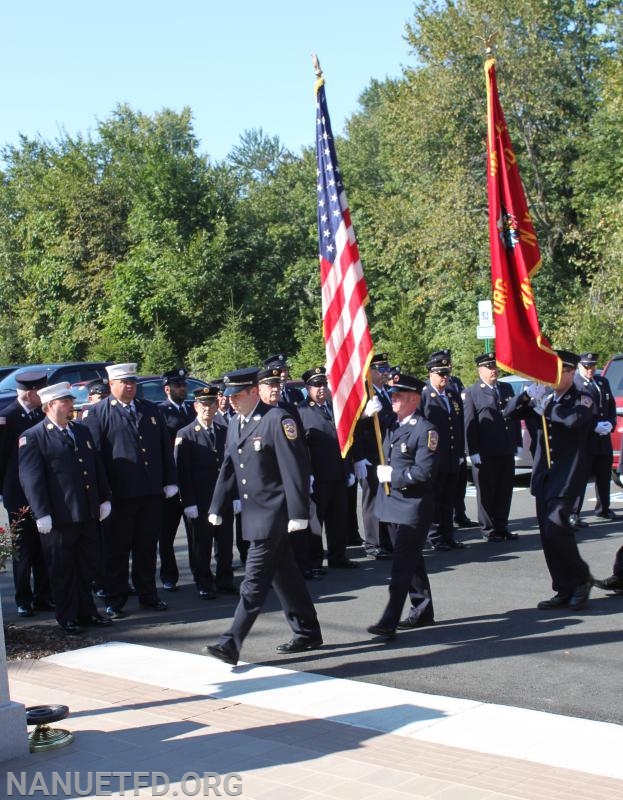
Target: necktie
68,439
326,412
243,422
183,412
496,393
210,435
446,402
132,414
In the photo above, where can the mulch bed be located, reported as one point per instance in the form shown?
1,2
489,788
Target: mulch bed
38,641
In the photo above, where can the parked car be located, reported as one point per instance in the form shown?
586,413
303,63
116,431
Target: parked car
70,371
4,371
613,371
148,387
523,459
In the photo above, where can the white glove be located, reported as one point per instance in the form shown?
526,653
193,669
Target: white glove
461,461
297,525
540,403
361,473
44,524
476,460
170,491
535,391
237,506
191,512
384,473
105,509
373,407
311,484
350,480
519,451
214,519
603,428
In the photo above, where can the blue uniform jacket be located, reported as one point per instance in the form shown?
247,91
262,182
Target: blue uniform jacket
487,431
605,411
412,452
63,479
327,463
175,418
14,420
266,466
138,459
198,461
568,423
449,425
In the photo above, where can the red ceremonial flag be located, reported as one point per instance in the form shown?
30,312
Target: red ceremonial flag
520,346
344,292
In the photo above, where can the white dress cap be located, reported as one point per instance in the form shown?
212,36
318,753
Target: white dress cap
55,392
117,371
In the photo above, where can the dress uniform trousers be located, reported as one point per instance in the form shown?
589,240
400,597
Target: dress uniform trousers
444,488
270,562
30,561
169,572
135,522
205,539
71,552
408,575
376,533
494,480
331,500
560,548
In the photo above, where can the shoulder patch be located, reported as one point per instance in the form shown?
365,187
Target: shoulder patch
586,400
23,440
289,428
178,440
433,440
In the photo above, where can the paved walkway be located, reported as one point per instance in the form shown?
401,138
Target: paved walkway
169,718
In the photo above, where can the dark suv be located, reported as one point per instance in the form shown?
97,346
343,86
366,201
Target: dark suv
71,371
614,372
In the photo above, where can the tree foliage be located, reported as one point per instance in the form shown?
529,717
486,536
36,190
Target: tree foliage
131,244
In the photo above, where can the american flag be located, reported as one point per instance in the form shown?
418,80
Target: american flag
344,292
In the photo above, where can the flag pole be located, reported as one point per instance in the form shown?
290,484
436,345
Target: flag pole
368,379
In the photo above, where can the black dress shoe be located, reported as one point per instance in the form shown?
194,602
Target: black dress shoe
454,545
442,546
44,605
95,619
580,595
207,594
154,605
100,593
383,555
344,563
25,611
299,645
466,522
115,613
607,515
222,653
408,623
612,584
71,629
577,522
508,535
382,631
169,586
494,537
557,601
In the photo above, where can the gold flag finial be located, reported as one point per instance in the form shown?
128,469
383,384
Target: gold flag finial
488,41
316,64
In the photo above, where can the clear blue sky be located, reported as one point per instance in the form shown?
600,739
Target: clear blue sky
241,64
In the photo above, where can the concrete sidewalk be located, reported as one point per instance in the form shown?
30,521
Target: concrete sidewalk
168,717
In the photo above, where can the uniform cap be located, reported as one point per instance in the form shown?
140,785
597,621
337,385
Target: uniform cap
238,380
174,376
406,383
206,394
485,360
315,376
121,371
55,392
278,360
589,359
31,379
568,358
98,386
379,359
440,361
269,375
